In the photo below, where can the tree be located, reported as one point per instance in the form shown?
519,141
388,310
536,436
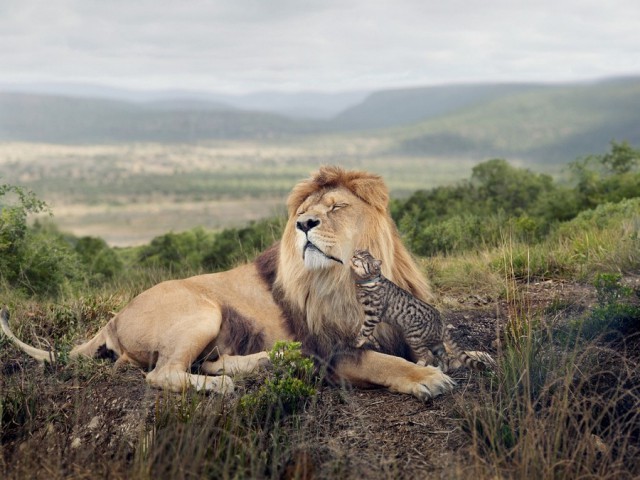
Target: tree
610,177
15,205
513,190
35,259
621,159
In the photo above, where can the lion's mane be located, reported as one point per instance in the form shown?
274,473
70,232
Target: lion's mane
320,306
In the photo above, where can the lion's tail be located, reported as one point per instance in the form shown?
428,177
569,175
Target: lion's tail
38,354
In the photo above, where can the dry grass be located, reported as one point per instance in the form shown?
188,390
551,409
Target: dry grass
558,406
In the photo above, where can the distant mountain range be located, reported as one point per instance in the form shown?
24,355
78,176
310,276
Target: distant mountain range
539,122
312,105
46,118
392,108
542,123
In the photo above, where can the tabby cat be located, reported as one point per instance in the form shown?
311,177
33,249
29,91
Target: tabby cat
424,331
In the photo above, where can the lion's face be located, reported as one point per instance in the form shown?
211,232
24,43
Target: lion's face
327,226
331,214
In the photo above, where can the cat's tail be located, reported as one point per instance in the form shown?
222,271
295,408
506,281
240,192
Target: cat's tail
475,360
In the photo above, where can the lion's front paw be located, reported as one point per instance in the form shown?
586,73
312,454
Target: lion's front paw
219,384
430,383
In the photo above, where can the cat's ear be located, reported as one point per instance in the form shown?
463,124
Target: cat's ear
377,262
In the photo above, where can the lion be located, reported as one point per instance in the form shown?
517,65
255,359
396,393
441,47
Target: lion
298,289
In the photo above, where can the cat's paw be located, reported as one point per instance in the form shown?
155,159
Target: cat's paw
360,341
482,357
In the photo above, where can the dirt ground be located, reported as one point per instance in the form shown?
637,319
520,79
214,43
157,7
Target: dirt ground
369,434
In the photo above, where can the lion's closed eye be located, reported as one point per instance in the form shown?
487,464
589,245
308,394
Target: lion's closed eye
338,206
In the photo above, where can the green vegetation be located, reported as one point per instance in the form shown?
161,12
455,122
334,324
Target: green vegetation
543,124
245,438
502,201
290,386
615,312
34,260
41,261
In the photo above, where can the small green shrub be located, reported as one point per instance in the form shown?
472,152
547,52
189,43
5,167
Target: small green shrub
219,437
290,386
614,311
609,290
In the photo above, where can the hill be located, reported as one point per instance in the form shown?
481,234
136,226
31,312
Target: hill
398,107
544,124
538,123
301,104
60,119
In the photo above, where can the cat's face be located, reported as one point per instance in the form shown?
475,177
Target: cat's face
364,266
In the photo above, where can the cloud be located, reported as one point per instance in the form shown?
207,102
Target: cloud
244,45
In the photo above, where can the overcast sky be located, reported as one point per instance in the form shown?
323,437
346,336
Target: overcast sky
239,46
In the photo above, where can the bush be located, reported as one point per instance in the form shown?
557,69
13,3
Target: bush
177,251
15,205
100,261
48,263
290,386
502,200
37,260
614,311
198,249
235,245
611,177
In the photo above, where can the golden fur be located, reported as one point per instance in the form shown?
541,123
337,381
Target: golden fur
300,288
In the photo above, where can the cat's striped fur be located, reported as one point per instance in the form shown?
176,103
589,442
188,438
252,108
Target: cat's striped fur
421,323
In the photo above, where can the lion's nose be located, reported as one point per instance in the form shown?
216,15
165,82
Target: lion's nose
307,224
